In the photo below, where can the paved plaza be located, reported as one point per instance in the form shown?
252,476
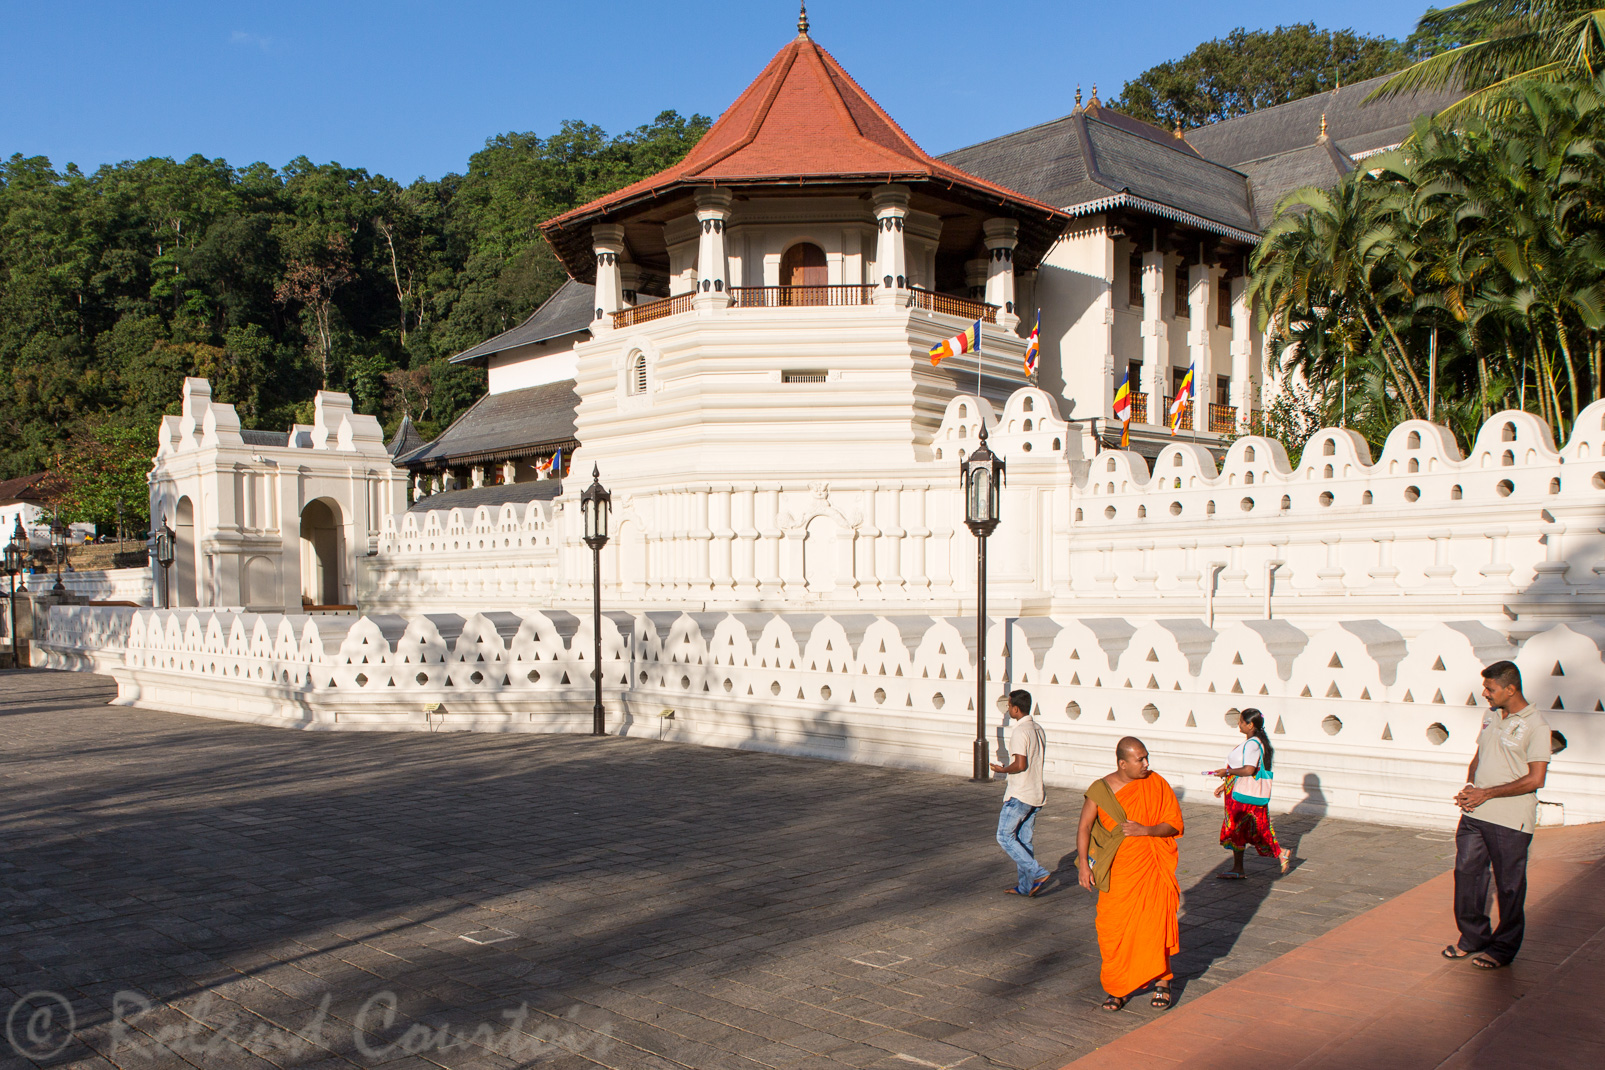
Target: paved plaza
190,892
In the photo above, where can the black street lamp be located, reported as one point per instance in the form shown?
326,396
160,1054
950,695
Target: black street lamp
982,475
16,561
58,544
594,505
162,548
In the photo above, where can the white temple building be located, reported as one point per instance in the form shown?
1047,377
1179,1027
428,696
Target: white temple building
741,351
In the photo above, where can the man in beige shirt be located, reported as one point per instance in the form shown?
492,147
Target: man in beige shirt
1025,795
1499,807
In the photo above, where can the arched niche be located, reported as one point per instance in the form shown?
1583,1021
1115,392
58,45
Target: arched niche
322,553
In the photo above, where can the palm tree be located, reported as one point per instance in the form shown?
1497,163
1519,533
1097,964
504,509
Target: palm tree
1507,41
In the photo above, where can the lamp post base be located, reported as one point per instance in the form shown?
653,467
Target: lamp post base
983,761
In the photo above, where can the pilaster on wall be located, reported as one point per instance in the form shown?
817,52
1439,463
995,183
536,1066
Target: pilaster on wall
1246,348
1155,335
1201,299
891,256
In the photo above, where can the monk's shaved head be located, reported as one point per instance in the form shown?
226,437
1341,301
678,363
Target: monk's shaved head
1128,748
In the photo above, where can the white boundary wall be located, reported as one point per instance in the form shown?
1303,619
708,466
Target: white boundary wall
1366,724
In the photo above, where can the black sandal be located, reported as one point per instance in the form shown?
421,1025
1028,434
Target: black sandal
1114,1003
1162,997
1488,962
1454,951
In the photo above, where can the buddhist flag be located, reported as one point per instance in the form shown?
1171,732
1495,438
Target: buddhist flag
1184,394
1123,398
966,342
1032,346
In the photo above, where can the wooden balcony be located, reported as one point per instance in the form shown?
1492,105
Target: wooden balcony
963,307
1184,422
654,310
1139,408
1222,419
801,296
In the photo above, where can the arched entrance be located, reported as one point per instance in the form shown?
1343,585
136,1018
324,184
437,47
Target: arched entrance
185,590
803,265
322,551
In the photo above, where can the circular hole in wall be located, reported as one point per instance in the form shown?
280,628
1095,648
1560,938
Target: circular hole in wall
1437,734
1246,504
1599,480
774,688
362,679
1026,446
1142,512
1412,494
1109,512
1175,508
728,685
685,682
1331,725
1326,497
880,694
535,676
422,678
824,692
1072,710
1505,488
1234,716
1150,713
477,678
938,701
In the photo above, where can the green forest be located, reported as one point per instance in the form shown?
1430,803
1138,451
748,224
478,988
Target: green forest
272,283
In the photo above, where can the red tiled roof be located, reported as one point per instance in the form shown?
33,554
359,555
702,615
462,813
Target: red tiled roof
802,118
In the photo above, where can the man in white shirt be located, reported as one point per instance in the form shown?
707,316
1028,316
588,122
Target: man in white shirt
1499,809
1027,747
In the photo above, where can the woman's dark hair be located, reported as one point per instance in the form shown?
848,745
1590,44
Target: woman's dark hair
1257,719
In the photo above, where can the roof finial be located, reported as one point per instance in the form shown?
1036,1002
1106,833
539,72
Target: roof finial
1178,127
1323,126
802,20
1093,103
1078,96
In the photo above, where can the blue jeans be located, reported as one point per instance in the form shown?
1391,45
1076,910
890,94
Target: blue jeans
1015,823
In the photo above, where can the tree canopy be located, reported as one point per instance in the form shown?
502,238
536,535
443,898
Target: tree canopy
1252,69
274,282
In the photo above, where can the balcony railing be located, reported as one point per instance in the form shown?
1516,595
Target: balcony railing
963,307
1139,408
1184,422
655,310
1222,419
801,296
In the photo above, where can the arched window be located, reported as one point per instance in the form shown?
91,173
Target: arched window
803,265
637,383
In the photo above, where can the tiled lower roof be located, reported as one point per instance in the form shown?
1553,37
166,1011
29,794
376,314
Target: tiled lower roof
542,490
499,427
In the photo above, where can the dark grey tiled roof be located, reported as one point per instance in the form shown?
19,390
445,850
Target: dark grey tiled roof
565,312
543,490
265,438
406,440
1357,127
1086,158
500,426
1274,177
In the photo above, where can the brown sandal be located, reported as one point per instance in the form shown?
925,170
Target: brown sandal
1114,1003
1162,998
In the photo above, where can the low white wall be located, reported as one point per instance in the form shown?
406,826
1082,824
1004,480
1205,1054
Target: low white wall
108,585
1367,723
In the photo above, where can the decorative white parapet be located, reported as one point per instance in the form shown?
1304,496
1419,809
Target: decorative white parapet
1368,722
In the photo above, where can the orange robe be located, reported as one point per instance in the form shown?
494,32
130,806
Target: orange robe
1137,931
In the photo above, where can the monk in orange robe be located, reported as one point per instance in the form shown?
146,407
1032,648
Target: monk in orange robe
1126,846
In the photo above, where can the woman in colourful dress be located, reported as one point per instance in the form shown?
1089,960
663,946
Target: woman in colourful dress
1246,783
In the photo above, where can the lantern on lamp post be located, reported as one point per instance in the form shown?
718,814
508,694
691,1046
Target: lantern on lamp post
982,476
58,546
594,505
162,550
16,560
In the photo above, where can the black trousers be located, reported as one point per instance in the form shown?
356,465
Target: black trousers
1483,848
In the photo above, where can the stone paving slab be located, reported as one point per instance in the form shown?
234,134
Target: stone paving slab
206,893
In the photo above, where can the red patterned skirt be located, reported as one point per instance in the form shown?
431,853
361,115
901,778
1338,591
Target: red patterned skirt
1248,825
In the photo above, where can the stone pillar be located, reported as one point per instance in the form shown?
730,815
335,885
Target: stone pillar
713,214
892,535
723,534
766,520
1245,350
975,278
919,536
891,257
1155,336
1440,574
744,517
607,242
629,281
1201,300
1001,238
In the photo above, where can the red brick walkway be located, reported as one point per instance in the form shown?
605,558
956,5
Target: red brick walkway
1374,993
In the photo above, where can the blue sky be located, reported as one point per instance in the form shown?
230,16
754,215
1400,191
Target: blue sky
411,87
